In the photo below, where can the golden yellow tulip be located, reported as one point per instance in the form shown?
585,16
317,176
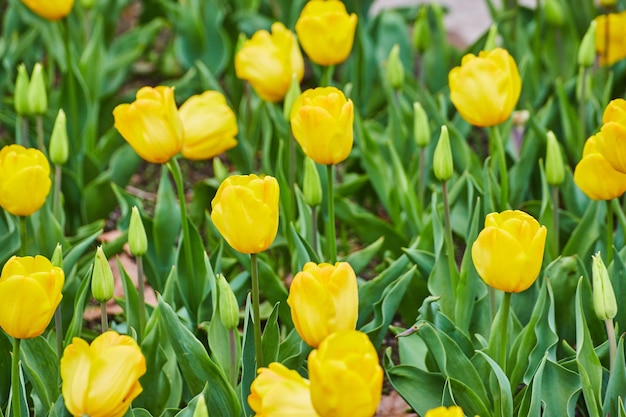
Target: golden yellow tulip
280,392
614,111
50,9
322,122
323,299
24,179
101,379
485,88
612,47
267,61
346,378
326,31
30,291
245,212
151,124
595,176
508,252
453,411
210,126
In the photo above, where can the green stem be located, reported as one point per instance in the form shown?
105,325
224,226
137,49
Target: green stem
58,328
314,228
504,177
582,113
40,143
104,318
609,232
449,241
610,332
327,76
233,357
25,141
15,379
56,197
292,170
256,310
555,221
332,240
23,236
506,306
492,302
19,140
174,168
421,182
141,299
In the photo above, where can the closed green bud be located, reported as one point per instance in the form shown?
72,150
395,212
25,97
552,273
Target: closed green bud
312,186
37,94
554,12
421,30
201,410
57,256
492,38
604,302
137,239
59,144
587,49
608,3
87,4
421,127
292,95
228,307
22,106
555,168
443,165
395,69
101,278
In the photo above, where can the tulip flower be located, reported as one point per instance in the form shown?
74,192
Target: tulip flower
485,88
508,252
24,179
30,291
50,9
454,411
209,124
267,61
151,124
322,122
611,141
280,392
595,176
323,299
615,111
245,212
615,49
346,378
101,379
326,31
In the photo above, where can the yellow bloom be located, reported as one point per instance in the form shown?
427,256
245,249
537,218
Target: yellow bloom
30,291
509,251
322,121
151,124
24,179
326,31
453,411
50,9
210,126
280,392
615,49
245,212
267,61
614,111
346,378
485,88
595,176
101,379
323,299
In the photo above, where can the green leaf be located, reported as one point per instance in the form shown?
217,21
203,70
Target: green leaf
248,360
503,397
130,300
587,232
361,258
82,296
41,366
271,337
616,386
192,282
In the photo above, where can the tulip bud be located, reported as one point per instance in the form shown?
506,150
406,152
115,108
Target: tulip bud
421,127
608,3
443,165
395,69
59,147
554,12
312,186
87,4
587,49
57,256
492,38
201,410
101,278
292,95
421,30
227,303
37,95
137,239
555,169
604,302
21,103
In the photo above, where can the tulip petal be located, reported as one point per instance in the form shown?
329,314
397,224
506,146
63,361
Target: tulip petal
75,370
25,308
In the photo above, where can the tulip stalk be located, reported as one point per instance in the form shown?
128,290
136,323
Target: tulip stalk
327,76
39,124
141,297
56,197
555,220
448,228
314,228
496,138
15,379
609,232
332,240
104,318
610,332
505,309
23,236
256,311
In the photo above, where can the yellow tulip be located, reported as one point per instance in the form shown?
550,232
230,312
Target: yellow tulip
245,212
611,140
280,392
454,411
614,111
210,126
151,124
508,252
322,122
50,9
101,379
326,31
24,179
346,378
323,299
485,88
595,176
267,61
615,49
30,291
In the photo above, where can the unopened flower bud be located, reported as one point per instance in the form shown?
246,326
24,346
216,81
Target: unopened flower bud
59,146
608,3
421,127
555,168
228,307
492,38
57,256
554,12
101,278
201,410
443,165
395,69
37,94
87,4
292,94
22,106
137,239
312,185
587,49
604,302
421,30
